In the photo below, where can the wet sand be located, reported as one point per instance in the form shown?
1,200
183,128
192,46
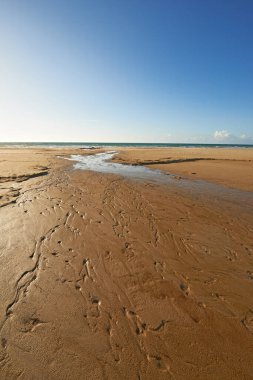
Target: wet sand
104,277
225,166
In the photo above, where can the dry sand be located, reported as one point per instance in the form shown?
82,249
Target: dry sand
108,278
229,167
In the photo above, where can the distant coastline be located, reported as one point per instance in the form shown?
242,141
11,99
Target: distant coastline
90,145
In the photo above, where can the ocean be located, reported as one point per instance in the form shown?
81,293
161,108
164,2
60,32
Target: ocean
90,145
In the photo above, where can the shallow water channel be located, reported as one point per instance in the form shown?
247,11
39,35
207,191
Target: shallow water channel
100,162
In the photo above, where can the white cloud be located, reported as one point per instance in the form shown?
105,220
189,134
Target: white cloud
227,137
222,135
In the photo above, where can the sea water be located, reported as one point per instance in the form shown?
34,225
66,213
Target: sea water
90,145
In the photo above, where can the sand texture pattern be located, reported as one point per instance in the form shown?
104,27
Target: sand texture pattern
104,277
228,167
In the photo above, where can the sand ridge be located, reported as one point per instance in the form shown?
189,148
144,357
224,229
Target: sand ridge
225,166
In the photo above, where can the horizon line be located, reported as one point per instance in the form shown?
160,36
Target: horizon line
120,142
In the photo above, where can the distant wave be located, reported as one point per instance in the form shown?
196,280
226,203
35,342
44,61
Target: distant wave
93,145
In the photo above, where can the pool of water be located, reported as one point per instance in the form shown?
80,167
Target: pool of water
101,162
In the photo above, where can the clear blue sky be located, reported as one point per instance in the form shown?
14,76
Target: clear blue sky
126,70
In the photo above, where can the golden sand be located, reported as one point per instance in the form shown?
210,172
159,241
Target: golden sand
108,278
229,167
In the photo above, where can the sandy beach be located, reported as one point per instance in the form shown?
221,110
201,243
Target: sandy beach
106,277
229,167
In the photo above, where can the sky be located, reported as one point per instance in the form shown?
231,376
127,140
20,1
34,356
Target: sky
126,71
